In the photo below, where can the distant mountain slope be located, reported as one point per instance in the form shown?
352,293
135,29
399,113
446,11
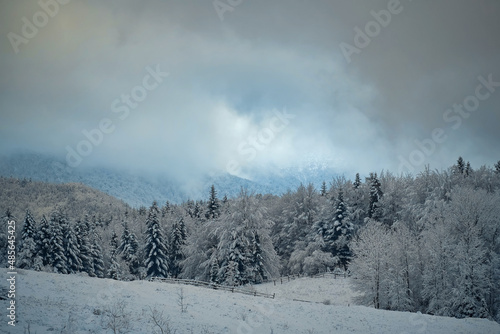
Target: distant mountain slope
42,198
143,189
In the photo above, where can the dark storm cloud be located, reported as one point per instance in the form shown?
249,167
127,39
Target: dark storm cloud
227,79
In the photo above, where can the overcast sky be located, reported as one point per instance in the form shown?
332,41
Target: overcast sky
357,104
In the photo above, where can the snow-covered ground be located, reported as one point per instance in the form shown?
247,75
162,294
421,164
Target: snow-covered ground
52,303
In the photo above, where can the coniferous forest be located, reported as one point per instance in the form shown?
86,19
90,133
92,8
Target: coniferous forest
428,243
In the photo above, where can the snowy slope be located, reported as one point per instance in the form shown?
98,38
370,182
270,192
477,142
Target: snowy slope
53,303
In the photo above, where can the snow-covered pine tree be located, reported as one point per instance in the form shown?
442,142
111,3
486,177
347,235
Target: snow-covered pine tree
324,190
257,261
342,231
114,267
357,182
156,257
43,242
374,211
177,241
497,167
28,248
82,233
96,252
214,270
213,206
71,250
129,248
57,258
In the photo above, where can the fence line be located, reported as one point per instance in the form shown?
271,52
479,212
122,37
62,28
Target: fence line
211,286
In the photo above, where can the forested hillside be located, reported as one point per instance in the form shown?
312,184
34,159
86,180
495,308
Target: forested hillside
428,243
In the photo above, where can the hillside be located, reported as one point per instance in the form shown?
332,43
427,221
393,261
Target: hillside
137,188
41,198
51,303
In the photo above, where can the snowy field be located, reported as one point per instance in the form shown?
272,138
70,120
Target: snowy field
51,303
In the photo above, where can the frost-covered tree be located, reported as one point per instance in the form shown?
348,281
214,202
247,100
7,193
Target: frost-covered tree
43,242
57,258
28,258
459,168
177,241
241,256
71,250
370,262
156,257
374,211
340,236
213,205
114,267
129,249
82,231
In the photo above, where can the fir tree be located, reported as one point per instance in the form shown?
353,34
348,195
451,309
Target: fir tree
82,230
129,248
357,181
324,191
43,242
257,261
497,167
97,255
468,169
460,167
28,247
214,270
155,250
71,250
342,231
114,267
375,196
177,241
213,208
57,258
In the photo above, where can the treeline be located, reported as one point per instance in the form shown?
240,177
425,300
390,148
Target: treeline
428,243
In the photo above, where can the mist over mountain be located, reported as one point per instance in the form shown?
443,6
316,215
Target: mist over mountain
142,188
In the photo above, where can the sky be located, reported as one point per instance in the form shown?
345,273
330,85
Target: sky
188,87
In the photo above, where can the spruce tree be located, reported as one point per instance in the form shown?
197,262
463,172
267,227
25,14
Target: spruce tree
156,260
82,231
497,167
324,191
129,248
114,267
460,167
71,250
375,196
43,242
177,241
57,258
213,207
28,247
357,181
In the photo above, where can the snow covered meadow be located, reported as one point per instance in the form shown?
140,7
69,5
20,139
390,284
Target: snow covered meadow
54,303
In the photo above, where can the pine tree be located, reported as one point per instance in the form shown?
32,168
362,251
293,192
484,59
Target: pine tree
460,167
28,247
57,258
375,196
71,250
177,241
214,270
82,232
342,231
155,250
357,182
497,167
114,267
213,208
257,261
324,191
43,242
97,254
129,248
